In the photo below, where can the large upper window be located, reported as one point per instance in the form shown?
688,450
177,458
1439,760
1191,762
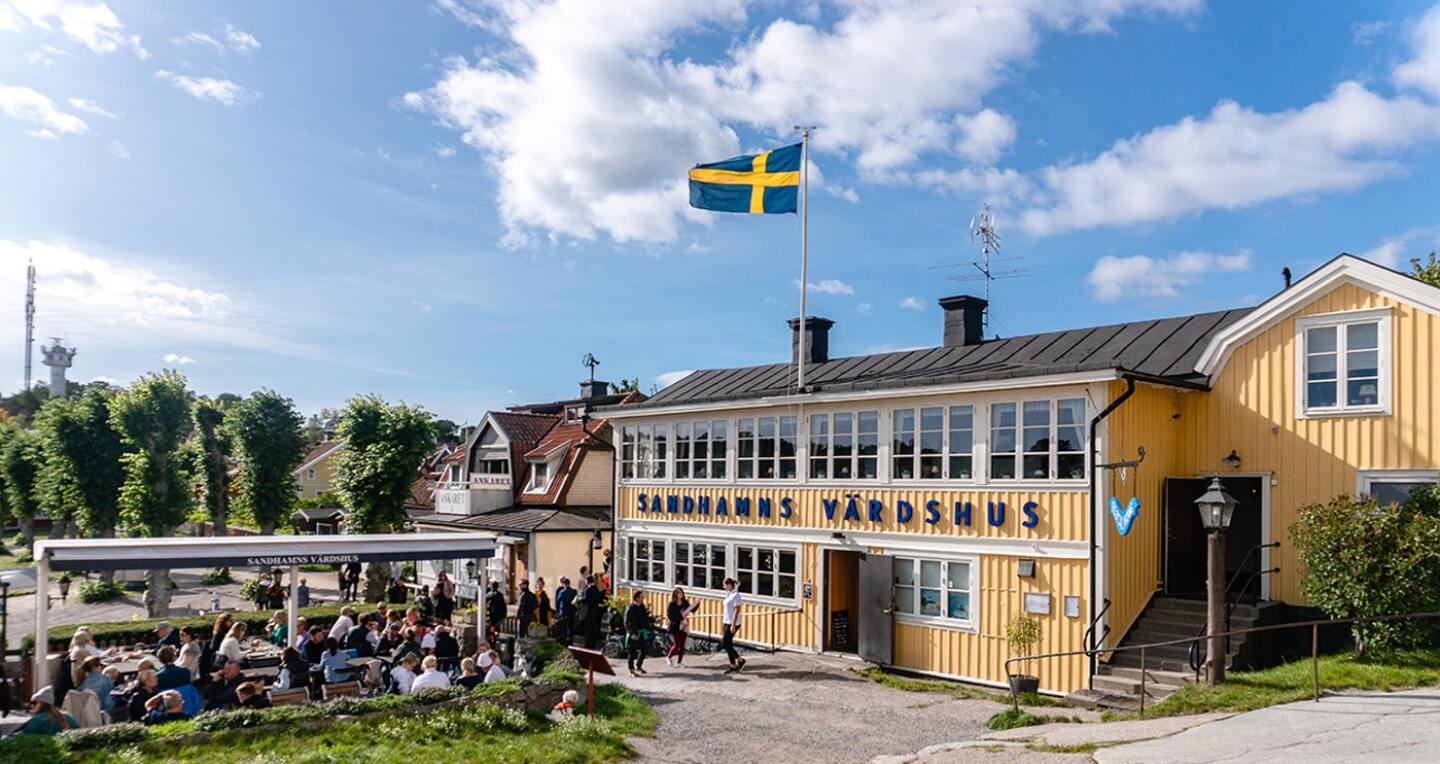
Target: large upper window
845,445
1345,363
1038,440
539,476
766,448
643,450
700,448
493,466
939,589
933,443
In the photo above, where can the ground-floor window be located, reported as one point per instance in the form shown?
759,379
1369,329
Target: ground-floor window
933,589
760,570
765,571
647,560
1393,486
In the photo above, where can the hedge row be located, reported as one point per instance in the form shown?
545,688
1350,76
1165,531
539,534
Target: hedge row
132,632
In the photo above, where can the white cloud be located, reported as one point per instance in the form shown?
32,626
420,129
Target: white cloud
1368,32
42,134
177,360
45,56
912,303
26,105
423,307
87,105
828,286
1422,71
233,39
1236,157
93,25
444,152
671,377
536,106
1390,252
864,308
118,150
1113,278
206,88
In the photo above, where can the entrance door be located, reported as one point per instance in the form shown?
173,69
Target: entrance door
877,609
1185,541
842,600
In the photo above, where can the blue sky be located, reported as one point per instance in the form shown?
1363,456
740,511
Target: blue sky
451,203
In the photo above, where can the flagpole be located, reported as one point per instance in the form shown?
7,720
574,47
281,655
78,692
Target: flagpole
804,252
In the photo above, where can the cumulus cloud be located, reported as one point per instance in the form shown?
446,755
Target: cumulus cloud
175,359
89,106
1368,32
1422,71
864,308
42,134
93,25
1390,252
671,377
912,303
536,106
206,88
233,39
828,286
1113,278
27,105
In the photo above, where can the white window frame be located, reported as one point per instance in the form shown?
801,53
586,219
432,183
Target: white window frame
754,570
310,474
756,460
944,621
1053,455
651,465
1365,480
730,570
830,459
548,466
1303,324
690,460
977,410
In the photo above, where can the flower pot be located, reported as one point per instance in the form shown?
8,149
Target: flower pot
1023,683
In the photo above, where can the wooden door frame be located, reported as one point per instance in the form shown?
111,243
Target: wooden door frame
1266,479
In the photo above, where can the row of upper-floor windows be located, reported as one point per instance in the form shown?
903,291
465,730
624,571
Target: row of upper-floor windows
1025,440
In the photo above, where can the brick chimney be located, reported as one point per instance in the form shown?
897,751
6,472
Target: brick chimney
964,320
594,389
817,340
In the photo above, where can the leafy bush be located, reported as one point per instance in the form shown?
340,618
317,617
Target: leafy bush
108,736
1363,559
34,749
99,591
432,695
1012,718
249,589
131,632
216,577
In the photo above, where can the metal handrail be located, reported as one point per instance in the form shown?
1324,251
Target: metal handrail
1314,646
1194,657
774,645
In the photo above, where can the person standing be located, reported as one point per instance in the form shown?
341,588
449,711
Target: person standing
495,607
677,622
353,570
302,594
637,633
564,611
608,563
592,603
444,595
731,621
525,609
542,615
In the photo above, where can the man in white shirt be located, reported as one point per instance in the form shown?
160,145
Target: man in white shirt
404,674
731,621
343,624
491,667
431,677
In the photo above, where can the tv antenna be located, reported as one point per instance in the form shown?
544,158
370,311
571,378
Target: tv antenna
985,232
591,361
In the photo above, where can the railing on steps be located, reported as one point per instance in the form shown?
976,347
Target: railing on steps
1314,627
1104,608
1197,654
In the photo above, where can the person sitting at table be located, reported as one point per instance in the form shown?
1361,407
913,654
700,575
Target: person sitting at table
373,634
426,636
343,624
490,664
335,662
45,718
396,592
447,648
191,652
276,628
146,687
171,675
390,640
423,603
90,677
469,678
230,646
302,634
166,635
251,696
382,612
431,677
294,671
412,616
403,675
223,622
358,638
82,646
315,647
166,706
411,643
222,692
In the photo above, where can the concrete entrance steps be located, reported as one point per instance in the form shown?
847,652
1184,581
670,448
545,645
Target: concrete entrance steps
1117,684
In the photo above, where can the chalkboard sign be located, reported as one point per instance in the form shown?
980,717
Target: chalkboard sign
840,629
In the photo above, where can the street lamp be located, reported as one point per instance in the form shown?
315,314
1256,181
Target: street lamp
596,541
1216,507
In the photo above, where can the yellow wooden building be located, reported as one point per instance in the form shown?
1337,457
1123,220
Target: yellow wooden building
905,506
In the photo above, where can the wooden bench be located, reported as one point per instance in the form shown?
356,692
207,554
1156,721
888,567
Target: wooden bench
341,690
289,697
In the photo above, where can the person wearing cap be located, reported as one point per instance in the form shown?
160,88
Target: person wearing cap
167,706
490,664
45,718
166,635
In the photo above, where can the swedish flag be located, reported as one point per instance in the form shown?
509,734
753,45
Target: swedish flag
760,184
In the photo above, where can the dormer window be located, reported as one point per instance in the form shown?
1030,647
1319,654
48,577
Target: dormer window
539,476
1344,363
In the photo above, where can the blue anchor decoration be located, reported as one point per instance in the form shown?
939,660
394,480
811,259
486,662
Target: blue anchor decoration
1126,517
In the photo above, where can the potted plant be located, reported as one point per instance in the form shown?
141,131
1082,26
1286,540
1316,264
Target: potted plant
1023,633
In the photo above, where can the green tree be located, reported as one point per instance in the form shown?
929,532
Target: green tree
153,419
21,457
210,454
270,436
446,431
82,461
1426,271
384,447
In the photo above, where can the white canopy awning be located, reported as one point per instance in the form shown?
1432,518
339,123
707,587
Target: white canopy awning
259,551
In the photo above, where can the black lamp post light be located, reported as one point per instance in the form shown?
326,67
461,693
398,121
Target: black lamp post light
1217,508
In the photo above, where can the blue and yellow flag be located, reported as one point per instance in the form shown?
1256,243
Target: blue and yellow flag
760,184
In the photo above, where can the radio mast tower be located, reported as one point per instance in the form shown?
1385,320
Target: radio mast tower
983,231
29,318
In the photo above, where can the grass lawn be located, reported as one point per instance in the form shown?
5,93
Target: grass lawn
958,690
1249,690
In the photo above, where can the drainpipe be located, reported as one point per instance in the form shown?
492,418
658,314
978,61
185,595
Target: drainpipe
1095,525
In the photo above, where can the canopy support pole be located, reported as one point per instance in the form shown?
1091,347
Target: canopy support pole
42,623
292,617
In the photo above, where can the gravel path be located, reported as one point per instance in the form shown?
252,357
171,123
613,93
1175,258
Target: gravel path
798,708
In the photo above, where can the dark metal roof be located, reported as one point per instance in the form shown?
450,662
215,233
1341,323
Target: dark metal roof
525,520
1164,350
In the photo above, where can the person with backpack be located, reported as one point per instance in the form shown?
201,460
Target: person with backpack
638,626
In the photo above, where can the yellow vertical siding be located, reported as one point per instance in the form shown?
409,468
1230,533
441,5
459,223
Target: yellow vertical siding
1251,409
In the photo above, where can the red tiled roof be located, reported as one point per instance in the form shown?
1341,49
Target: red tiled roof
580,438
524,429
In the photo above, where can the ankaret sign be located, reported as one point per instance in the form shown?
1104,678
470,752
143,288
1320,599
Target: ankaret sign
845,510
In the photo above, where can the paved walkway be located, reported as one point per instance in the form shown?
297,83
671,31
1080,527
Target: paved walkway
1393,727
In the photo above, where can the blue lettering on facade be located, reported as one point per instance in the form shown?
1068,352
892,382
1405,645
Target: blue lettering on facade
672,503
829,505
765,508
787,507
762,506
642,507
932,515
655,507
903,511
962,513
720,506
851,513
996,518
742,506
875,509
1031,519
687,504
702,505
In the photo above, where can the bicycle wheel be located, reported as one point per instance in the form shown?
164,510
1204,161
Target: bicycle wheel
613,648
